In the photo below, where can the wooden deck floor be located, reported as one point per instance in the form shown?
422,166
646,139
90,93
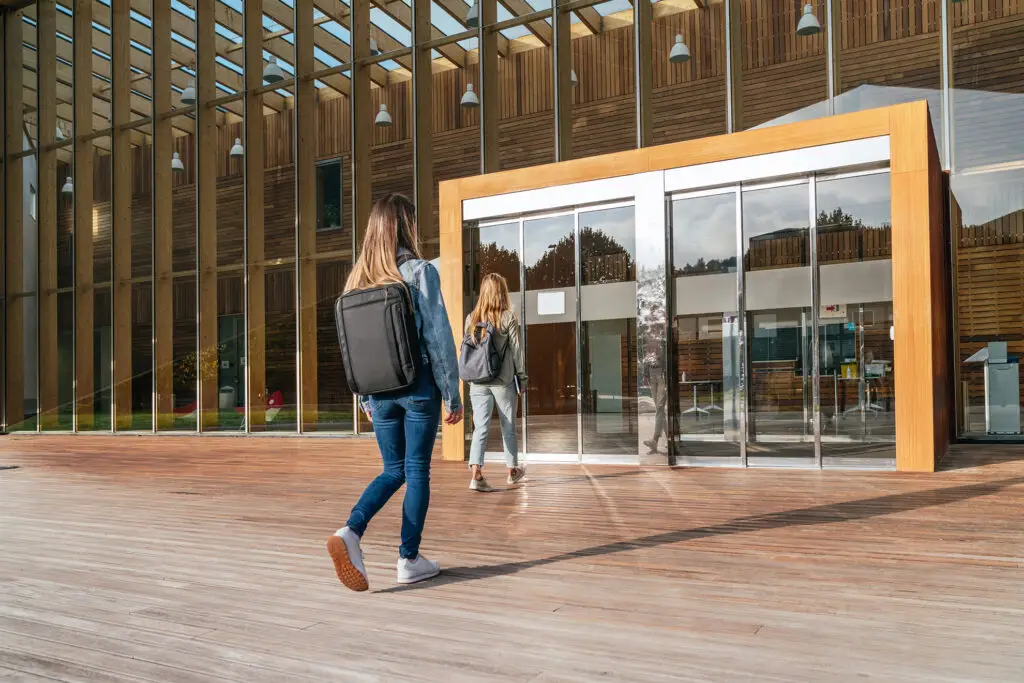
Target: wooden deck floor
202,559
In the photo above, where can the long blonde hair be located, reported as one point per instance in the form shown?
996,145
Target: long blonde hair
491,304
392,225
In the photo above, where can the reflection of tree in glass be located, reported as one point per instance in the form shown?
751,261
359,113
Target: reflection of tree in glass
604,260
494,258
702,267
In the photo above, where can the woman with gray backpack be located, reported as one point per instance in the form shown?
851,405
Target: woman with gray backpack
491,362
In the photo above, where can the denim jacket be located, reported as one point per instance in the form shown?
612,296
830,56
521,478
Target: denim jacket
436,341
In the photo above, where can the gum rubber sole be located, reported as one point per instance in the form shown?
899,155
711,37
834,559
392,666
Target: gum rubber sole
347,572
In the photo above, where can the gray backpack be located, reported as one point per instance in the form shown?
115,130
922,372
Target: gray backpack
480,360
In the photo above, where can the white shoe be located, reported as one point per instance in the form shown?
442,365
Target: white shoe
516,475
348,559
480,485
414,571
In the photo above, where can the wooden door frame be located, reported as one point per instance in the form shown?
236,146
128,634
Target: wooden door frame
920,296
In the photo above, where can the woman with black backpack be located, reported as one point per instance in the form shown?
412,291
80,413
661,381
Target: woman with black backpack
400,357
493,316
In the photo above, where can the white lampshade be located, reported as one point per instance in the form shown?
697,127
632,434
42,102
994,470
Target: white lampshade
60,134
680,52
470,100
473,16
809,24
68,188
374,50
236,149
572,77
272,73
176,164
383,117
188,95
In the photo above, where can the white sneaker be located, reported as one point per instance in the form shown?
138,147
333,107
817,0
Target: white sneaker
348,559
414,571
516,475
480,485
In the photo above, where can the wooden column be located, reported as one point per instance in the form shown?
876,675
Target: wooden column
14,349
49,191
121,205
734,45
422,129
453,437
362,120
562,61
490,88
362,116
206,220
163,279
642,28
920,297
305,210
85,295
256,307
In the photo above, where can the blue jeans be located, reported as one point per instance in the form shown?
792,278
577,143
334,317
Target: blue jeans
406,427
484,398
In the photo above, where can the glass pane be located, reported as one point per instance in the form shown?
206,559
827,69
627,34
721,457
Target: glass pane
689,80
494,249
280,394
887,55
142,286
102,320
550,259
855,318
987,215
184,337
230,351
608,333
706,328
988,85
334,400
604,91
777,289
782,65
526,132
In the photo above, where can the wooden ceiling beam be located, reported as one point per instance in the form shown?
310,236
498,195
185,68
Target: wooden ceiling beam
540,29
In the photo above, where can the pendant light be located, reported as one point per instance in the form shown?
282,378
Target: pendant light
374,50
236,149
176,164
188,95
273,73
680,52
383,117
572,77
473,16
809,24
470,100
68,189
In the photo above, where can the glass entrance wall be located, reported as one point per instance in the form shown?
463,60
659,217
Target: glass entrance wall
778,347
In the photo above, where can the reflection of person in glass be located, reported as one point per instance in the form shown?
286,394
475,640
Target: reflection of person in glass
659,394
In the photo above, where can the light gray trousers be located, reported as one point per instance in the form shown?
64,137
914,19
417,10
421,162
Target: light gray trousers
484,399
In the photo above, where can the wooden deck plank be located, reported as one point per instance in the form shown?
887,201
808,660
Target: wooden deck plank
187,558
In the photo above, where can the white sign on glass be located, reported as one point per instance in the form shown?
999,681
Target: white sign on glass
832,311
550,303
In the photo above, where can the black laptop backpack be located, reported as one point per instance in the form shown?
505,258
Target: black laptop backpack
377,333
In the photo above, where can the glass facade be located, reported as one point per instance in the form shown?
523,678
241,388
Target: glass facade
158,276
